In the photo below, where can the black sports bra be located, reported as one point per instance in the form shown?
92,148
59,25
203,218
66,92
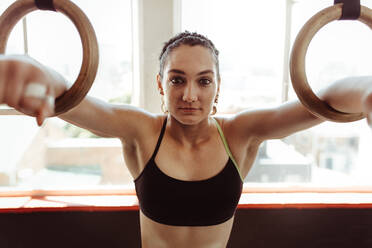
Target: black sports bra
170,201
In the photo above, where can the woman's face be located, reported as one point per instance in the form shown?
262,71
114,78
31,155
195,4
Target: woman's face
189,83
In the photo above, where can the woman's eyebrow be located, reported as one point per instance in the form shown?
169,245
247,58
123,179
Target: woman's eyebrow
206,72
182,72
176,71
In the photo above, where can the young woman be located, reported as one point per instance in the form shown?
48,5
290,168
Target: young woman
188,167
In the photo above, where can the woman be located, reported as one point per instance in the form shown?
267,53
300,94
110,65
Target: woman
188,167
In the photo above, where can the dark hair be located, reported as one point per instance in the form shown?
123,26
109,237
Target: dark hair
191,39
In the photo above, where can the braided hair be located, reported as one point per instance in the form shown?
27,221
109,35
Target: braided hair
191,39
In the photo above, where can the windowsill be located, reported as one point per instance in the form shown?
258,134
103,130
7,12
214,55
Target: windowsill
125,190
19,204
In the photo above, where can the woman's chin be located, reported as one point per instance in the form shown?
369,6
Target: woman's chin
189,119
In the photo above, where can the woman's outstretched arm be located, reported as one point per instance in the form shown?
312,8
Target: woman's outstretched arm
31,88
350,95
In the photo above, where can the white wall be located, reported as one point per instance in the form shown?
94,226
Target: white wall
153,19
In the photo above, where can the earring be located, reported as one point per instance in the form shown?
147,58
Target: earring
214,111
165,111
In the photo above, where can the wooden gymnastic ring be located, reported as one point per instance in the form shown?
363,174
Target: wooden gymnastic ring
297,63
88,71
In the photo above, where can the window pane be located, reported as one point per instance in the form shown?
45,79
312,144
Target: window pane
112,23
60,155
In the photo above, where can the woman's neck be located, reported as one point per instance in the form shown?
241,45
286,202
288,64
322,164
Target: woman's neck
190,135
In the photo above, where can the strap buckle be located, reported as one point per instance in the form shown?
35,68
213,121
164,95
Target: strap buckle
45,5
350,9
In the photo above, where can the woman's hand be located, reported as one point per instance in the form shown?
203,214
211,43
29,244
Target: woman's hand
367,107
29,87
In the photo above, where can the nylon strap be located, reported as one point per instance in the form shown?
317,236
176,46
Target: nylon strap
45,5
350,9
227,148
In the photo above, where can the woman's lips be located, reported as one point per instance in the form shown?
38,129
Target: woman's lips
188,109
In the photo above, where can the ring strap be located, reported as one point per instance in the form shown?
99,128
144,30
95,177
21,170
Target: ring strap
45,5
350,9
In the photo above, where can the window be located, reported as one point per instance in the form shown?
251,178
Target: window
254,44
60,155
251,37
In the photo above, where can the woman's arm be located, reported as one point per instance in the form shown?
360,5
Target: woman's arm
351,95
18,72
109,120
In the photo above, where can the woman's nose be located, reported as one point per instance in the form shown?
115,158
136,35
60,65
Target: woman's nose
190,94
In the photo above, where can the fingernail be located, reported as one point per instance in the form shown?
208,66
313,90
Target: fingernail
38,121
40,118
36,90
41,121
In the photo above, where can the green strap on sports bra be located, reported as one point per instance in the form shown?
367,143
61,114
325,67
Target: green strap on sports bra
227,147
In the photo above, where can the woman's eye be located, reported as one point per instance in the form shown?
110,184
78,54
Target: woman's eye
205,81
177,80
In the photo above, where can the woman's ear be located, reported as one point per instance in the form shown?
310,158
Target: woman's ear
160,86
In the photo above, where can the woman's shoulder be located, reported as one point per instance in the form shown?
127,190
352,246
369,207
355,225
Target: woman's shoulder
136,124
242,125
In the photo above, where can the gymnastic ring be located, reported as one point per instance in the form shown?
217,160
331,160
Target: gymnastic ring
297,63
88,71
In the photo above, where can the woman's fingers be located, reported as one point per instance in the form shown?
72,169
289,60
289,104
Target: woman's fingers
14,87
36,90
50,100
39,101
367,108
33,97
2,84
42,113
369,119
25,86
47,107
